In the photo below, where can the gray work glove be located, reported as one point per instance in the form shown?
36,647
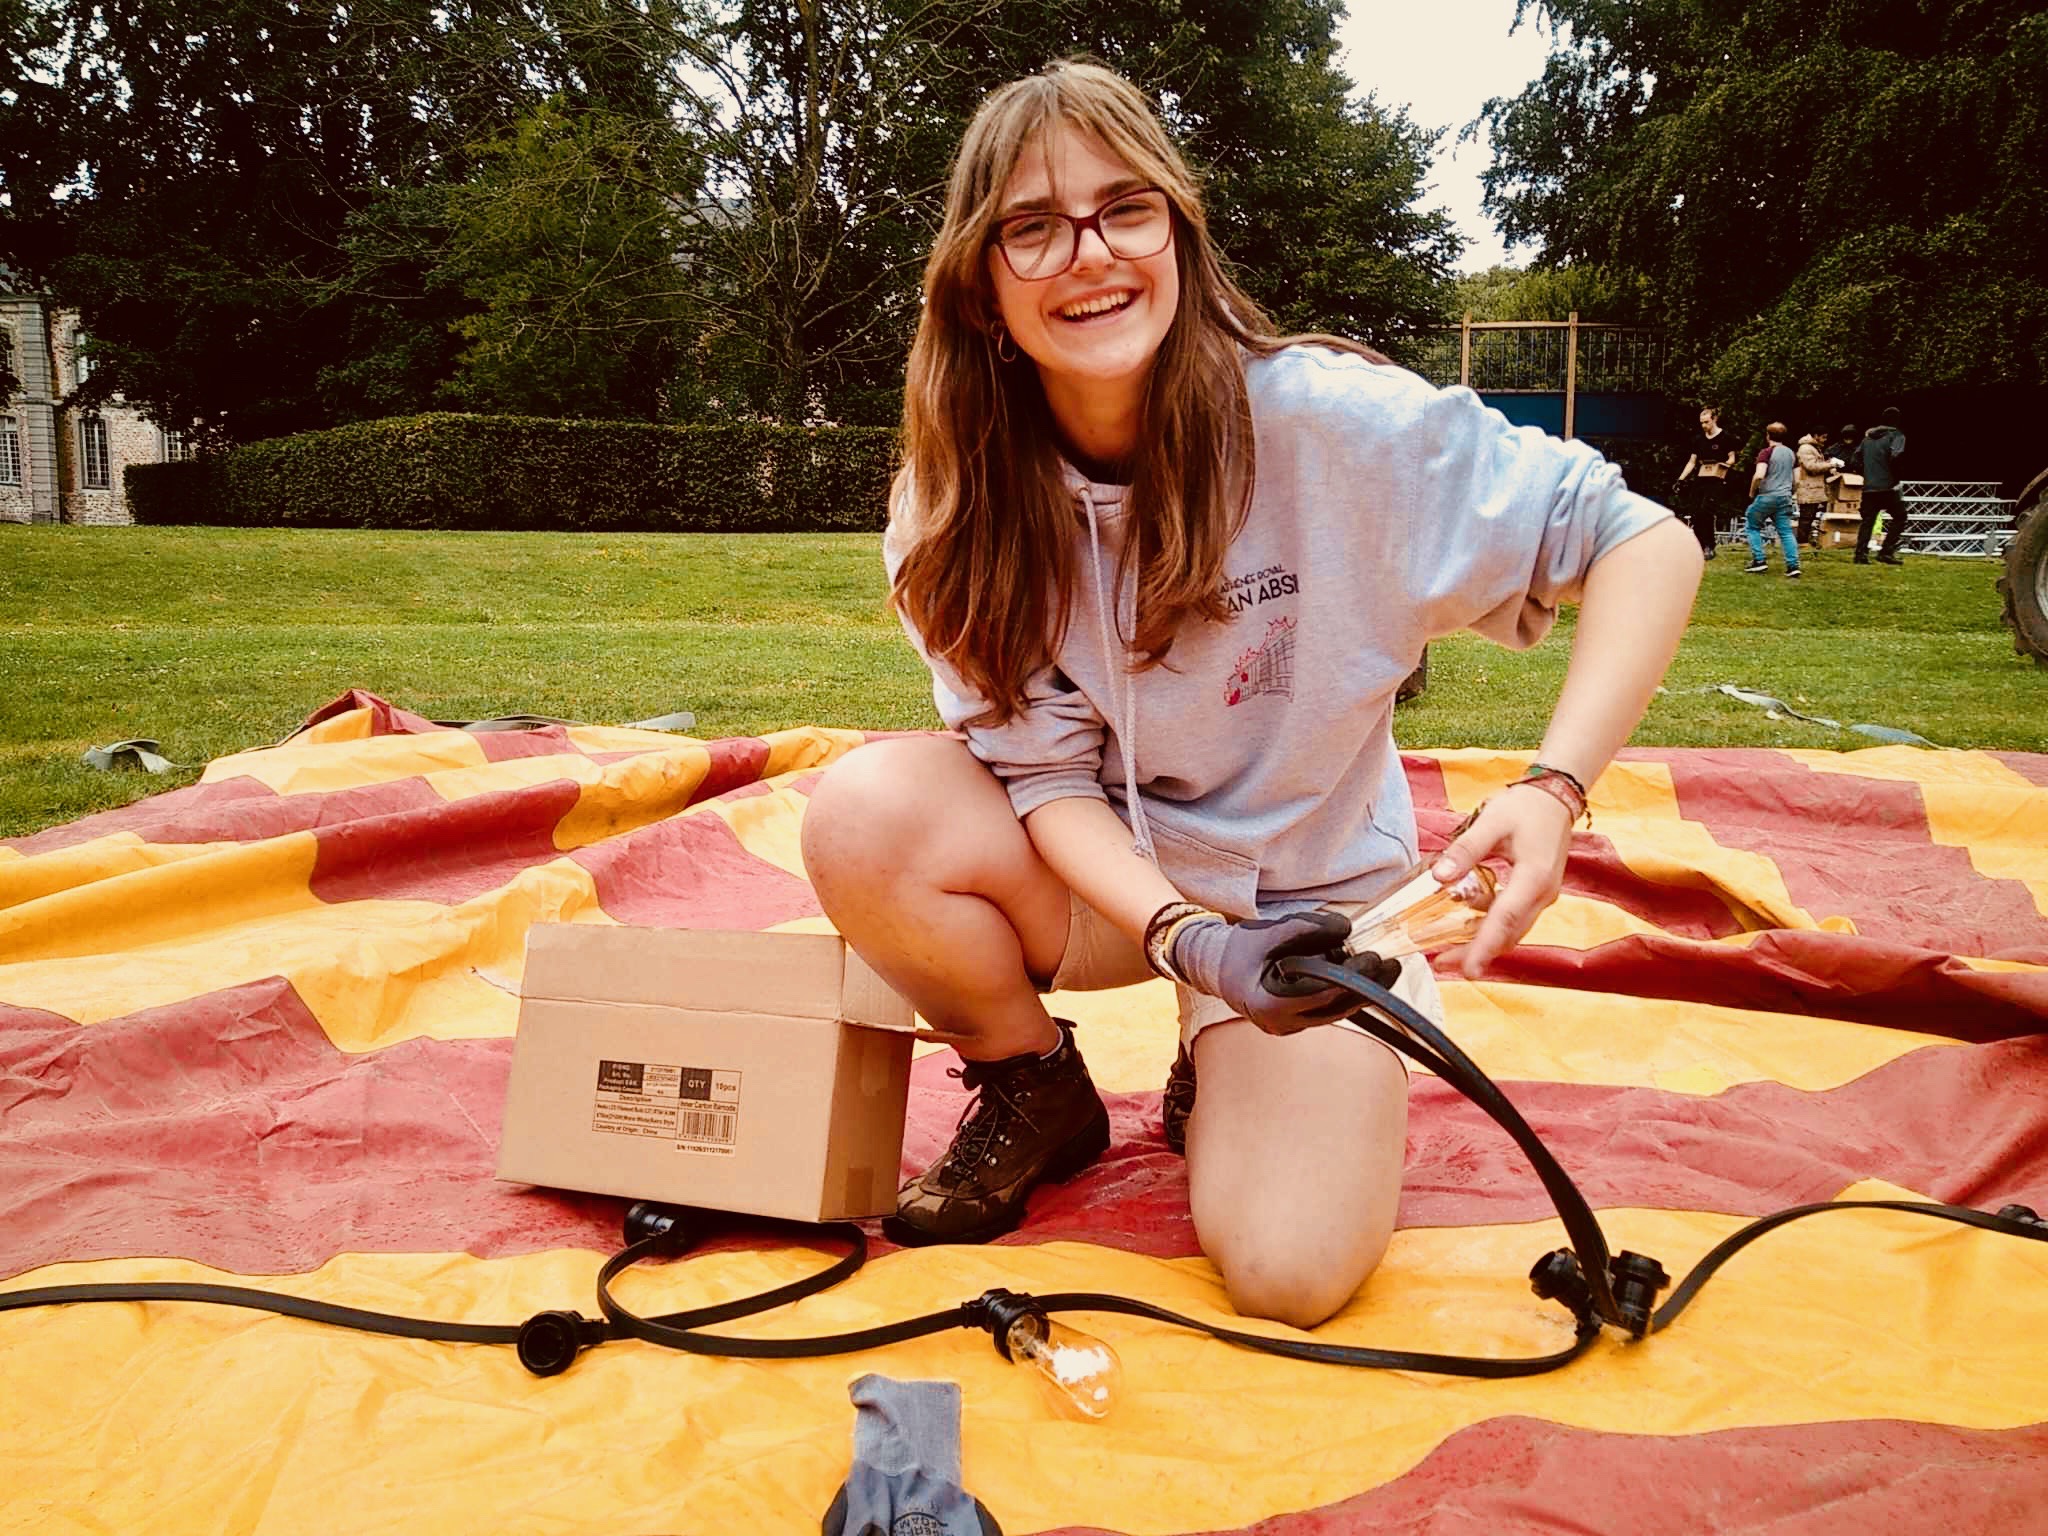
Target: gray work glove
1230,961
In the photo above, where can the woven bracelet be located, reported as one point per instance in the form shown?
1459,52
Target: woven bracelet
1160,932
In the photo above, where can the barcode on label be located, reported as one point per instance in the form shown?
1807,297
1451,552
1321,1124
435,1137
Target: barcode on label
712,1126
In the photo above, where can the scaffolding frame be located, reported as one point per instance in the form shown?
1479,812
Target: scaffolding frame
1958,519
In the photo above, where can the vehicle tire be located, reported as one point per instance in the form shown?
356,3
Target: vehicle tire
2024,586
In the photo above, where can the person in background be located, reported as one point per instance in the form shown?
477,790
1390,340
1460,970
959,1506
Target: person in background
1810,479
1770,487
1879,454
1708,469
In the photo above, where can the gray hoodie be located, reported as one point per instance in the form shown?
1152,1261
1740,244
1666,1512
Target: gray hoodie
1386,513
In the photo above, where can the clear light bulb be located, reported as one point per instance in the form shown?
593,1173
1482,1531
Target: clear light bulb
1081,1374
1421,915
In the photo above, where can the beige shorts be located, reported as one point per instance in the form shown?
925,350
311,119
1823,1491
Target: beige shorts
1099,956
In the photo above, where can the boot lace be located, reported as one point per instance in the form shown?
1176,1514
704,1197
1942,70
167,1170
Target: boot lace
987,1122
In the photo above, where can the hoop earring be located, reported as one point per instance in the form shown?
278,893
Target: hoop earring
1000,334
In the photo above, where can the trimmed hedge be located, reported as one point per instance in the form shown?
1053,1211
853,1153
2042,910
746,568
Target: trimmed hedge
517,472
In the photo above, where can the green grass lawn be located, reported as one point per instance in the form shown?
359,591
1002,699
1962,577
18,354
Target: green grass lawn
212,641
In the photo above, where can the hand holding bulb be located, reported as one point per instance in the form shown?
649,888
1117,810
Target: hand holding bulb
1532,832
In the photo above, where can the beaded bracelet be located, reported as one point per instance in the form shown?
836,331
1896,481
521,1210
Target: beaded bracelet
1163,928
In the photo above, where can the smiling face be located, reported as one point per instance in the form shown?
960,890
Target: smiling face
1094,330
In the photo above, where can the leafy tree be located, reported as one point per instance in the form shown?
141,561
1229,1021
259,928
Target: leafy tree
1822,198
190,175
838,117
567,240
277,215
1550,293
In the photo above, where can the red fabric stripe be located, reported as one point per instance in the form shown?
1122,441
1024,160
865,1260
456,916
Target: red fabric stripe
447,851
385,719
540,741
229,1130
1960,1124
1515,1475
1792,970
2031,766
199,813
1890,877
692,872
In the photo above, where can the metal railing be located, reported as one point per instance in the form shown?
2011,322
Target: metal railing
1568,357
1956,517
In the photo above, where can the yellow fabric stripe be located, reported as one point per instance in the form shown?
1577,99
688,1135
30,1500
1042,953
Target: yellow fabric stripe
770,827
349,725
313,766
185,901
1542,1034
276,1424
1521,1033
620,738
807,746
372,972
103,858
632,793
1915,765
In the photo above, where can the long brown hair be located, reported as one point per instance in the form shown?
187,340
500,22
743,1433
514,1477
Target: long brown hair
989,576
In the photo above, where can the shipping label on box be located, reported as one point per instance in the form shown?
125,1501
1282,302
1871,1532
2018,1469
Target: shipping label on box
697,1108
756,1072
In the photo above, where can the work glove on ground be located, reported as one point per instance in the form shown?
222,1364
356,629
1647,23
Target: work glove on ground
1230,961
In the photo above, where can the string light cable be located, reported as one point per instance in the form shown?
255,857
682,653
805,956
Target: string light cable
1599,1288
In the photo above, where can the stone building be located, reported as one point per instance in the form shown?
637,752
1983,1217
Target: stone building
59,463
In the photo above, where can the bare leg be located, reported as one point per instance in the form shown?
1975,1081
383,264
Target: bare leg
920,862
1295,1154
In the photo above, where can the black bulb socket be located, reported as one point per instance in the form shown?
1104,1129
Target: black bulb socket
1636,1279
999,1311
650,1219
549,1342
1558,1277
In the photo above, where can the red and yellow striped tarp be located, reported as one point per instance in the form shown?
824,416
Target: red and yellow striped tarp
257,1031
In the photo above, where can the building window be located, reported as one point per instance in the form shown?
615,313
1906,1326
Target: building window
92,452
81,365
10,452
177,446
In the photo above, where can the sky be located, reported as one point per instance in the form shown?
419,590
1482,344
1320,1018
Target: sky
1442,59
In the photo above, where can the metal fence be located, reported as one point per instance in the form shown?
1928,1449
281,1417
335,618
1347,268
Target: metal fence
1554,357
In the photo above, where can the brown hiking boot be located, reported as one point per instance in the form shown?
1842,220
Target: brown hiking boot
1038,1120
1178,1101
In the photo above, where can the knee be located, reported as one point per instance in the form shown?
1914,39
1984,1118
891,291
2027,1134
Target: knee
1299,1279
865,804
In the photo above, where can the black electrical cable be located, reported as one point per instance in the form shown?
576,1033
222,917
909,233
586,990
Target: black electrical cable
1595,1285
1390,1020
2010,1221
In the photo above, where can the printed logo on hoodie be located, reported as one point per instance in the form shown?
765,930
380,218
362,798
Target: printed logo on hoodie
1267,667
1242,592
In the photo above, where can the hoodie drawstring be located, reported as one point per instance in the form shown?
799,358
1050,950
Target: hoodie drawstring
1120,681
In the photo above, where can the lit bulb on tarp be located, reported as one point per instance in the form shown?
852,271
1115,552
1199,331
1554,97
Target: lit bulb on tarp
1421,915
1081,1374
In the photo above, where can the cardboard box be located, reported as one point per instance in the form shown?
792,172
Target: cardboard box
758,1072
1838,529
